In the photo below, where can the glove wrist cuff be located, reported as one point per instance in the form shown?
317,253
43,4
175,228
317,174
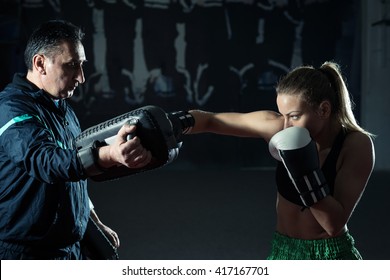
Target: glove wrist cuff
186,120
312,187
311,197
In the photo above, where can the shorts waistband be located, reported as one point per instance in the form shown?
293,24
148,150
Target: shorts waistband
340,247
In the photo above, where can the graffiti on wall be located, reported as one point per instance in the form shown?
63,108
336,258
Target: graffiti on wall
219,55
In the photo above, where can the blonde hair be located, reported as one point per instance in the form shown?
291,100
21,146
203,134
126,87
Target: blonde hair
318,85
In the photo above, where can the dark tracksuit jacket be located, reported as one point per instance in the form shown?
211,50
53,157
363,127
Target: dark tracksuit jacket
44,204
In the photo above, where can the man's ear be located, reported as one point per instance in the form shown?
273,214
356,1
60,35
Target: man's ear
39,63
325,109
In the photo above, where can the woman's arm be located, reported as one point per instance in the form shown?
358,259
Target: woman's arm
259,124
354,169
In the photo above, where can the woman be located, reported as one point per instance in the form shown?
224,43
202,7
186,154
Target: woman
318,100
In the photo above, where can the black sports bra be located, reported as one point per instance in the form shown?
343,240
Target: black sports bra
287,189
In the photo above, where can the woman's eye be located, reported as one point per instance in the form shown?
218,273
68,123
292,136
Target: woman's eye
294,117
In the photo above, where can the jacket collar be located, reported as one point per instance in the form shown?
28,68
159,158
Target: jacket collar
20,81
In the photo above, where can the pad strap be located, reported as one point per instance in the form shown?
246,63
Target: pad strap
89,159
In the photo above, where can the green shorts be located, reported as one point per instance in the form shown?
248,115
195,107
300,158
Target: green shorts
336,248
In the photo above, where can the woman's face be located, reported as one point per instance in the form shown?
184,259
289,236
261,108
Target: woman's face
297,112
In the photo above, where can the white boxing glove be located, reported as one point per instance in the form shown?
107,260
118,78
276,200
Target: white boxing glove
298,152
291,138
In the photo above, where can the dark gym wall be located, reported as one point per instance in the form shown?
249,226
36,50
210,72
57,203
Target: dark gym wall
220,55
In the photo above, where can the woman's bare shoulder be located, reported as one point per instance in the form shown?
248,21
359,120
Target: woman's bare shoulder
358,150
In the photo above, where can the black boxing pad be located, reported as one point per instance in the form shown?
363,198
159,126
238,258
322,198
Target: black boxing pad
154,130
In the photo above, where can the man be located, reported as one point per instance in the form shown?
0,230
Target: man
44,203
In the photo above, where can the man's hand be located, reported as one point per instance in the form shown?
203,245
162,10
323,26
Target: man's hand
129,153
111,235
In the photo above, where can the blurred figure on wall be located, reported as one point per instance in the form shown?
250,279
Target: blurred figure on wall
159,32
321,30
206,36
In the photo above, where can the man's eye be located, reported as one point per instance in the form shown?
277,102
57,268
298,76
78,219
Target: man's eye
74,64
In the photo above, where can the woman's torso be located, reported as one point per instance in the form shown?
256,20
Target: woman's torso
293,219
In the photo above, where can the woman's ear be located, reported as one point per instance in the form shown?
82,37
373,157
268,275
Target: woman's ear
325,109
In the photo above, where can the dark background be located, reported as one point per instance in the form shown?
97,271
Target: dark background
216,201
222,56
217,213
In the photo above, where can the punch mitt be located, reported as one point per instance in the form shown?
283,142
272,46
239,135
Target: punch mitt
154,130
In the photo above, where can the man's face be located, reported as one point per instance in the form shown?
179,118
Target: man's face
64,71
